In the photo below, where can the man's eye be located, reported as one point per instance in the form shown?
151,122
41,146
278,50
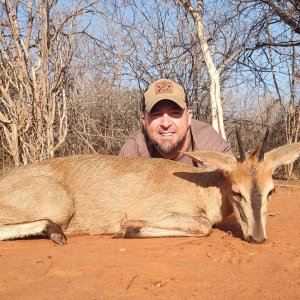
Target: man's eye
155,115
176,114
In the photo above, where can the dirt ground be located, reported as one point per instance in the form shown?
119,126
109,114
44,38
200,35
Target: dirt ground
221,265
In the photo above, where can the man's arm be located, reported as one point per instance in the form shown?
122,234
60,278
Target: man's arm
135,145
207,139
129,148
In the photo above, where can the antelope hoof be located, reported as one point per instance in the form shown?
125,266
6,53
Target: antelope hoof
58,238
127,233
55,233
119,235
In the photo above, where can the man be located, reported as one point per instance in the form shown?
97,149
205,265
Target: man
168,127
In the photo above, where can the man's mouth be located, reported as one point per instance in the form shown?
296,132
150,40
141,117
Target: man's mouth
166,134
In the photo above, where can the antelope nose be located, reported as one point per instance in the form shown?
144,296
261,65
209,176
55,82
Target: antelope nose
256,240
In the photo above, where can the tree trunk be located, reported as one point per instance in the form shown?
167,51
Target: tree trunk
214,74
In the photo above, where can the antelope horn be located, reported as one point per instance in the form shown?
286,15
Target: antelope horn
241,151
263,147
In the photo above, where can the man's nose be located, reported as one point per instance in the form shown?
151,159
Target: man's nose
165,120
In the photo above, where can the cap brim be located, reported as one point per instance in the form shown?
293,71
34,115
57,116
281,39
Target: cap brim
181,103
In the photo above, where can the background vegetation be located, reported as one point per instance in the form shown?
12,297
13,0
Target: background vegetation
72,72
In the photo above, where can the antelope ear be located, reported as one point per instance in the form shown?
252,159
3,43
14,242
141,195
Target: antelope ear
282,156
213,160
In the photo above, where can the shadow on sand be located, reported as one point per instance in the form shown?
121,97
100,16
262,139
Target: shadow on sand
230,225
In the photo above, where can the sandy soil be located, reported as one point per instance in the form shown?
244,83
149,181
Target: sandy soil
221,265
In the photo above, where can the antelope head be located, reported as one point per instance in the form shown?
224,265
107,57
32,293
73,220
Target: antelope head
251,182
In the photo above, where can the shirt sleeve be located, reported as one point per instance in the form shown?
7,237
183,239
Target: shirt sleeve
218,144
221,144
206,138
130,148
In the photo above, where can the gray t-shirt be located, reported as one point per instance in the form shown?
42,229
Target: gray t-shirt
204,138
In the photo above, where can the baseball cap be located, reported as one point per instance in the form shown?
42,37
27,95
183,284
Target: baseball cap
164,89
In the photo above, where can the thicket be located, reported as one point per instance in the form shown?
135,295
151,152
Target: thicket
72,73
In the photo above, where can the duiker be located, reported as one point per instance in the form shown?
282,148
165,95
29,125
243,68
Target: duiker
140,197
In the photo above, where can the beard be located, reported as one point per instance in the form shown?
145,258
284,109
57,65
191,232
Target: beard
168,147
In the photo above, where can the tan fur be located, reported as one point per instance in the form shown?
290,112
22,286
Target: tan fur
128,197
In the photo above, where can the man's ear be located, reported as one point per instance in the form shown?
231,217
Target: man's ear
190,116
282,156
213,160
143,119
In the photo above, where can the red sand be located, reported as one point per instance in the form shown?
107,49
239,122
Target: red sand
221,265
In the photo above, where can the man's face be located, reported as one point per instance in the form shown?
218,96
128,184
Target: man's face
167,125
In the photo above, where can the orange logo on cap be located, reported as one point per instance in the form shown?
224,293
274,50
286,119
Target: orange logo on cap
163,87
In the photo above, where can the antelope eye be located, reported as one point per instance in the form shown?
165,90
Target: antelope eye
236,194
